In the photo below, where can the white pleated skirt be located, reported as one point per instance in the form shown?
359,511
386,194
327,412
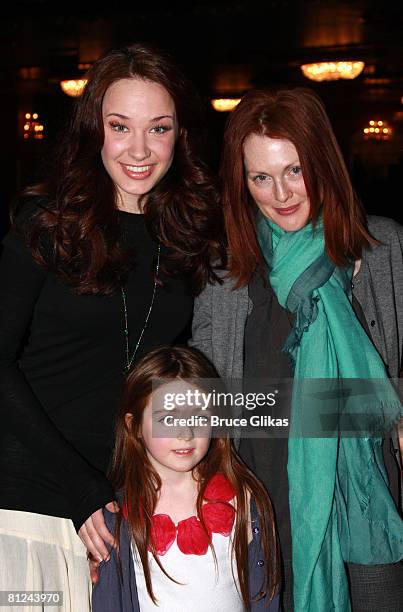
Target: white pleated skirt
43,553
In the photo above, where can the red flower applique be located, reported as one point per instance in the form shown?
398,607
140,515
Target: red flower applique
219,517
163,533
191,538
219,489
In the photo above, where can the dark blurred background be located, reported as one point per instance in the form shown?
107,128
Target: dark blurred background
225,48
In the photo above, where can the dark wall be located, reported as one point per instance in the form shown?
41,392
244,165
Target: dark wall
42,42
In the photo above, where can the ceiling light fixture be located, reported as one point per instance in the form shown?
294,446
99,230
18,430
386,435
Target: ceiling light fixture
332,71
225,105
73,87
32,128
377,130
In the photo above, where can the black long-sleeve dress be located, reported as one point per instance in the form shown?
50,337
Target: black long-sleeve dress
62,359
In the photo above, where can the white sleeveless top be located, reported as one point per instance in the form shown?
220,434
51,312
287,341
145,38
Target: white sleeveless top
204,588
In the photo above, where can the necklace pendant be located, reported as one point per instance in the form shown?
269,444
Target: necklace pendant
129,360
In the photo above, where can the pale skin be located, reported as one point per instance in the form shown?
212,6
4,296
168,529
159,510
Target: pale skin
173,458
141,129
274,179
179,487
275,182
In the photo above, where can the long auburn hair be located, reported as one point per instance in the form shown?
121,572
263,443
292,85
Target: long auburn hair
297,115
134,475
78,212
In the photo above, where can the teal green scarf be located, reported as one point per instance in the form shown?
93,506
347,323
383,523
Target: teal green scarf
340,506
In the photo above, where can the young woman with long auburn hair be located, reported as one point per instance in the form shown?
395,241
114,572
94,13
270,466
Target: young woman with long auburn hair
313,290
98,259
196,529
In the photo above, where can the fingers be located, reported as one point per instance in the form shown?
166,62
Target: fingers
94,540
112,507
96,535
97,538
93,569
101,529
88,543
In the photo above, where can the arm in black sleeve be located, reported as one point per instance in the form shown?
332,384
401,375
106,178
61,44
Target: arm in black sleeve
21,281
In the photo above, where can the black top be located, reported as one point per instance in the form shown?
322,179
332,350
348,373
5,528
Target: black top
267,329
62,359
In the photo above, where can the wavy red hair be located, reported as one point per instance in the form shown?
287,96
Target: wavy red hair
297,115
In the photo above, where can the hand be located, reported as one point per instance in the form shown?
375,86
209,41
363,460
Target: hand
93,568
95,536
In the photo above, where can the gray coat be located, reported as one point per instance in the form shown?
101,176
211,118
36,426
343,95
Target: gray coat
220,312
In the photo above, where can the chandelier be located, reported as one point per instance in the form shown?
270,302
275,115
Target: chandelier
332,71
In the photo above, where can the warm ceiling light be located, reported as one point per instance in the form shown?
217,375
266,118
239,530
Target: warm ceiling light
73,87
32,128
331,71
372,132
224,105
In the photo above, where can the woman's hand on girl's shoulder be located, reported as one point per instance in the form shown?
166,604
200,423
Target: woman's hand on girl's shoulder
95,536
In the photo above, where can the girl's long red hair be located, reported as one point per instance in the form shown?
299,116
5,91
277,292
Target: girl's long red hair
297,115
133,473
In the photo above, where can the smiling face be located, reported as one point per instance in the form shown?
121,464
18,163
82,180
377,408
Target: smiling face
140,128
275,182
186,446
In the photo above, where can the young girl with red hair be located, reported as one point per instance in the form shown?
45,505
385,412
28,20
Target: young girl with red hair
196,529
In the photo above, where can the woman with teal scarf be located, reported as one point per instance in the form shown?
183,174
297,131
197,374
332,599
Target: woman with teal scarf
297,237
